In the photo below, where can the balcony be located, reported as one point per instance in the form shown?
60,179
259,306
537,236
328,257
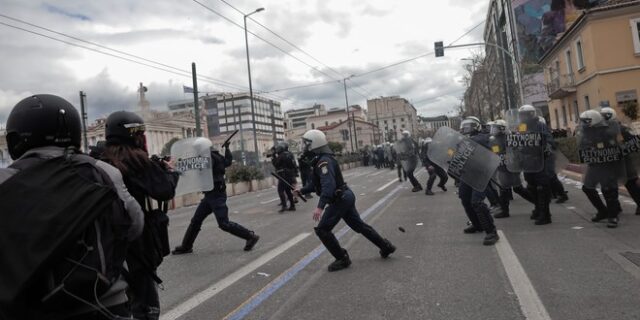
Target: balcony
561,86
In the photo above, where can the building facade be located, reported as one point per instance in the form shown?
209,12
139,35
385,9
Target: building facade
228,112
339,132
432,124
295,120
588,66
392,115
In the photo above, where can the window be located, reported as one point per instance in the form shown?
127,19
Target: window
564,115
401,119
394,120
313,126
635,32
403,126
555,111
579,55
568,60
576,110
326,123
587,105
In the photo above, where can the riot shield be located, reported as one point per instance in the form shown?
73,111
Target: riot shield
463,158
599,148
560,160
525,144
504,178
406,154
193,160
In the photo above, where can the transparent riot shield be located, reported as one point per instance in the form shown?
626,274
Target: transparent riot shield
463,158
504,178
630,150
193,160
600,148
525,144
561,161
406,153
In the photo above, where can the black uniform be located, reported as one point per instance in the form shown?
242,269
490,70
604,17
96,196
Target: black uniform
338,202
473,203
286,168
304,165
539,183
216,201
433,170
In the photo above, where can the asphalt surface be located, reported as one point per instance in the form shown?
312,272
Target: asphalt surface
571,269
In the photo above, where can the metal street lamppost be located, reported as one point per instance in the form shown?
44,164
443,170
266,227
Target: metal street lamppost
346,99
253,113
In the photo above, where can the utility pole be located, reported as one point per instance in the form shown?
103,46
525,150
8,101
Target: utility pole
253,113
346,99
195,100
273,122
83,112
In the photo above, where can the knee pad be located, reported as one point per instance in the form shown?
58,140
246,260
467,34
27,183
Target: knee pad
479,206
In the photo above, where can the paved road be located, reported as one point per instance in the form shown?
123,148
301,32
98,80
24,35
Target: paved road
571,269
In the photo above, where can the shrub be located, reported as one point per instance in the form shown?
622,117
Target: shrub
569,147
239,173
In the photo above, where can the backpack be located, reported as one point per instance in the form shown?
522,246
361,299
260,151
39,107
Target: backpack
67,248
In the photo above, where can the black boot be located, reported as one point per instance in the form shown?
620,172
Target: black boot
613,206
251,242
283,208
292,207
386,248
543,199
187,242
472,229
341,263
596,201
491,238
562,198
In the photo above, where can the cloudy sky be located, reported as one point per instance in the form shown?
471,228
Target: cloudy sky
98,40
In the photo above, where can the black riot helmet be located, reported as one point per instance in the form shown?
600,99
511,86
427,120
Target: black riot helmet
42,120
282,147
124,127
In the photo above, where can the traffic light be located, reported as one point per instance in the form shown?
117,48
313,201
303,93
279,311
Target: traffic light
439,49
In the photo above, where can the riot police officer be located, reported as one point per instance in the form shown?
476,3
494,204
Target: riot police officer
407,154
557,189
146,180
433,169
598,136
538,181
216,201
609,114
337,201
473,200
285,165
304,165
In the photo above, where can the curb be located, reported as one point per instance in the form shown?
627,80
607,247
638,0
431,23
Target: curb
578,177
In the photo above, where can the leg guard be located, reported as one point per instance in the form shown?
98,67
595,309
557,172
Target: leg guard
330,242
634,190
236,230
594,198
613,204
543,198
484,217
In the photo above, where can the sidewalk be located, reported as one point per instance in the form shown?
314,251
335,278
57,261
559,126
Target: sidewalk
574,172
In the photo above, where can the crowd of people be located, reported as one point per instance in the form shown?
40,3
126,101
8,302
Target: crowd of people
93,228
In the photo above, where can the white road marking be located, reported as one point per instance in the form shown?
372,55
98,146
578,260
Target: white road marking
528,298
269,201
217,287
386,185
377,173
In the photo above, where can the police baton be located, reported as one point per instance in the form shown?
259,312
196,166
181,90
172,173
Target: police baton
288,185
229,139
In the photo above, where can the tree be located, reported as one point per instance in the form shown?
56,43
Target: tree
166,150
336,147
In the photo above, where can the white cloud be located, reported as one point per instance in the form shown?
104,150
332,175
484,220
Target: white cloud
350,36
